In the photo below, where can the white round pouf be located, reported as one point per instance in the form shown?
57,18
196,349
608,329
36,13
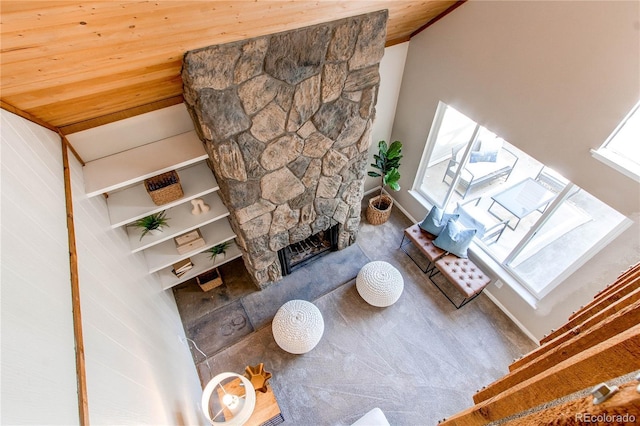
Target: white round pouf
379,283
297,326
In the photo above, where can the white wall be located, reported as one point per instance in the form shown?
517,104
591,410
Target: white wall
138,370
38,357
391,68
552,78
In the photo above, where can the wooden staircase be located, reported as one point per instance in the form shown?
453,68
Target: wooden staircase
599,342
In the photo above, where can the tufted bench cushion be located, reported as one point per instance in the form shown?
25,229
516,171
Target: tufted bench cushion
463,274
423,241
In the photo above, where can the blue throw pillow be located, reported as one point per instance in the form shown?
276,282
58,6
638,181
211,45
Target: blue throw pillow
455,238
483,157
436,220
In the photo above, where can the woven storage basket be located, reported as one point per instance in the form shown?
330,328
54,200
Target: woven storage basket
375,216
209,280
164,188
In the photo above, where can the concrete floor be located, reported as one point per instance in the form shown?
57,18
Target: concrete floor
419,360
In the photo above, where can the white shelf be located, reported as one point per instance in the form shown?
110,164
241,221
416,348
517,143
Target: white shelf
134,165
133,203
180,220
201,263
164,255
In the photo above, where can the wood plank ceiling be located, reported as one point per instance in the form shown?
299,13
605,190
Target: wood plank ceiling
69,63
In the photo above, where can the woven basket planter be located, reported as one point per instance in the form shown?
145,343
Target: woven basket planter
376,216
164,188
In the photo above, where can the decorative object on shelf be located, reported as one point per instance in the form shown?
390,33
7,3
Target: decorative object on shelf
387,161
379,284
199,206
189,241
152,224
182,267
218,249
258,376
164,188
297,326
234,401
209,280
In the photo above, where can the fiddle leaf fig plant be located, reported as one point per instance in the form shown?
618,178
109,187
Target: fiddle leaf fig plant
387,162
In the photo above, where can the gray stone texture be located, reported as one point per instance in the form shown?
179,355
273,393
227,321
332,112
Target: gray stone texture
268,123
306,102
286,120
250,62
282,151
231,161
281,186
297,55
222,112
344,39
333,77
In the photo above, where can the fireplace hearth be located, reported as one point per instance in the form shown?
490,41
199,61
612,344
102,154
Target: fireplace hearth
301,253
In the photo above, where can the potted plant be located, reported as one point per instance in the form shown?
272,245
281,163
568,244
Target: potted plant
387,162
217,250
152,224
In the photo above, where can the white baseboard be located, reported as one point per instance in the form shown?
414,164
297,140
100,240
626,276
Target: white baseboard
513,318
372,190
402,209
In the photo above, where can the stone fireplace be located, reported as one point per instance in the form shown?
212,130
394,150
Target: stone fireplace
286,120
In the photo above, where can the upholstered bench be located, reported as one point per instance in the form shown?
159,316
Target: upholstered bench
463,274
423,241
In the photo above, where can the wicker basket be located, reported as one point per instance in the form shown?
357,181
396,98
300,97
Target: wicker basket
164,188
376,216
209,280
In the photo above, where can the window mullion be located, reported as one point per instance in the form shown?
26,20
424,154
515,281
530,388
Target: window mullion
463,160
535,228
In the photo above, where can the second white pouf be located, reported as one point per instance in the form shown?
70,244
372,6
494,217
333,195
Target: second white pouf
379,283
297,326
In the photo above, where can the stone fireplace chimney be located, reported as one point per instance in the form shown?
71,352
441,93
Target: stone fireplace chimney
286,121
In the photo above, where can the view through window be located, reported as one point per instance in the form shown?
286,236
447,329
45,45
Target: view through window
535,223
621,150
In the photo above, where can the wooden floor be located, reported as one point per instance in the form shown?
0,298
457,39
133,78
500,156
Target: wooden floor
419,360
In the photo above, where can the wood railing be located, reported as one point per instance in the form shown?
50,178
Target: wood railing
599,342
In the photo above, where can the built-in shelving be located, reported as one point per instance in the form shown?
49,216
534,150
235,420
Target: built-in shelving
201,263
180,220
133,203
120,170
121,177
164,255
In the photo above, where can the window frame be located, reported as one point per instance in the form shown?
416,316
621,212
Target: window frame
478,249
615,160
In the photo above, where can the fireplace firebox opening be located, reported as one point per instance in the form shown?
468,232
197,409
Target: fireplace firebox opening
299,254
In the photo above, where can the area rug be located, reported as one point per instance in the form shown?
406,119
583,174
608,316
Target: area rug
309,283
418,360
213,331
219,329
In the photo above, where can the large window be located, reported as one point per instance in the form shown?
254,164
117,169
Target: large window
533,222
621,150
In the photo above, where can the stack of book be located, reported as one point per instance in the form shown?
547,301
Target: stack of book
182,267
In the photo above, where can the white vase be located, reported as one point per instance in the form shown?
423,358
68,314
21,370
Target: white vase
156,231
